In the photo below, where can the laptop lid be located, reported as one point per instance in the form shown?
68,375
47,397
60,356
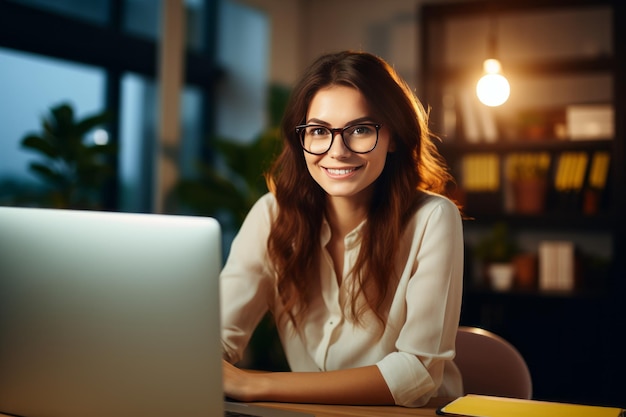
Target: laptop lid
109,314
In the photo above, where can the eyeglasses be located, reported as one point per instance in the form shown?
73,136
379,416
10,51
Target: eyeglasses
359,138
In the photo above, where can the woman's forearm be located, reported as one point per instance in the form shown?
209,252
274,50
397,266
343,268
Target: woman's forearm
364,385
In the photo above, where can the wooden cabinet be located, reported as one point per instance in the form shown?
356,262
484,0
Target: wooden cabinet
563,126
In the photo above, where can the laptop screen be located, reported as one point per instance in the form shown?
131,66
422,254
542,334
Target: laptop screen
109,314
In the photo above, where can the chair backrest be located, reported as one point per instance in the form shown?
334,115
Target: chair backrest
490,365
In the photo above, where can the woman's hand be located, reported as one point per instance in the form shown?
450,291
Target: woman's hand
239,384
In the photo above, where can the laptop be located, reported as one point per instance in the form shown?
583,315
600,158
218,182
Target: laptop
110,314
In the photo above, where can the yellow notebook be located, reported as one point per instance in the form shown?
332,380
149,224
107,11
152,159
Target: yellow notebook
487,406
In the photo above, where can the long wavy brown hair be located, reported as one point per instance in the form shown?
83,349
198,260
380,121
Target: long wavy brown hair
414,166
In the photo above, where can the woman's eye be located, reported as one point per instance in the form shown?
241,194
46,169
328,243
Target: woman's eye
318,131
360,130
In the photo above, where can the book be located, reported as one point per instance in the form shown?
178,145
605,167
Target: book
569,180
594,192
481,172
477,120
599,170
590,121
570,173
469,119
473,405
556,266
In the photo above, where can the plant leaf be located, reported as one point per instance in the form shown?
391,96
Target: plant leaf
39,144
47,174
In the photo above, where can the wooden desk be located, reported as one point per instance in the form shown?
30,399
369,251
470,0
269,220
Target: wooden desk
357,411
430,410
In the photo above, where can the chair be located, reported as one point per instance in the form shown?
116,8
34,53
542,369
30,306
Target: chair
490,365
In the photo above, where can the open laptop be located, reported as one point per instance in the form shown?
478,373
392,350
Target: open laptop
110,314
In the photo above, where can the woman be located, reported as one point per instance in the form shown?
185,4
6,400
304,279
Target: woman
354,251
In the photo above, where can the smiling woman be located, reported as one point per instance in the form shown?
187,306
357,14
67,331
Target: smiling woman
355,251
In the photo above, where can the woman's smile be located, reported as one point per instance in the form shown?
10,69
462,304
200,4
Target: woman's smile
341,172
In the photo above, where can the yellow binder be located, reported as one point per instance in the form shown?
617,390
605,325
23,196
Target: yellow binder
486,406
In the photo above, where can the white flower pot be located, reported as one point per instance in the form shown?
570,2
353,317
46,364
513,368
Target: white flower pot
501,276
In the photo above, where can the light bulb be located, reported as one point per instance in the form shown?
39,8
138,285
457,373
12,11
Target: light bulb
493,88
100,137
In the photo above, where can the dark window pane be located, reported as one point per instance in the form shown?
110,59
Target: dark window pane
138,141
95,11
138,133
243,52
143,18
197,20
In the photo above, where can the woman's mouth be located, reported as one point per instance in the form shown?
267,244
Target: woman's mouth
340,172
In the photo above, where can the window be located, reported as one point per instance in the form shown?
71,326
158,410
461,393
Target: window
32,84
98,55
243,53
137,139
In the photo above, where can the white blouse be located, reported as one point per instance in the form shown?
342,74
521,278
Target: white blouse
414,353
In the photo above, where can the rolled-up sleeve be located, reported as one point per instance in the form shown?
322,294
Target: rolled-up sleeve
427,308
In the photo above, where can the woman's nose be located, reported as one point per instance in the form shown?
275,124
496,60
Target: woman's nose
338,149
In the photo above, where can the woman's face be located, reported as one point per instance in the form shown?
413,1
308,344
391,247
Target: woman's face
341,172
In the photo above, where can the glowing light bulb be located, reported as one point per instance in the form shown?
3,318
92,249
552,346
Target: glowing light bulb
493,88
100,137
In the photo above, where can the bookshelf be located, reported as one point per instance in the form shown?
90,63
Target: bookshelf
560,133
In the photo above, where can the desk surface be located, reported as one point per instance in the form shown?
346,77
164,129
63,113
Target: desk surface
362,411
357,411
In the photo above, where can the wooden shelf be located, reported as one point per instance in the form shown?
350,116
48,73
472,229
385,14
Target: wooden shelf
520,145
592,65
526,296
555,221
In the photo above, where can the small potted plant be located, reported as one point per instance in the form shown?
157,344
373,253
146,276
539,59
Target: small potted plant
528,175
496,251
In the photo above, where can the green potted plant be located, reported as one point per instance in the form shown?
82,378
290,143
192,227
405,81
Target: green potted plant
533,125
528,176
496,251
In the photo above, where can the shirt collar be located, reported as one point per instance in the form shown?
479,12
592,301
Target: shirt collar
351,240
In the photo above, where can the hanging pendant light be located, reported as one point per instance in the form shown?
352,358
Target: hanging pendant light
493,88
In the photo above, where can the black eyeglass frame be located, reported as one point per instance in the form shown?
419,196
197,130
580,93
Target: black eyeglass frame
333,132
